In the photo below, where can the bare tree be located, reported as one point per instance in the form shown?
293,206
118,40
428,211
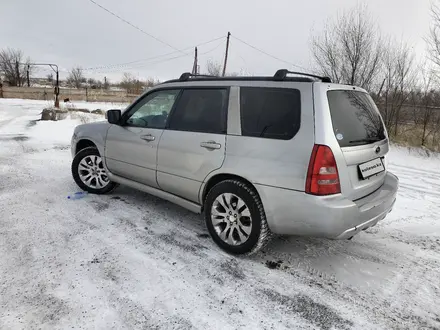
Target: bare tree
350,49
13,66
399,76
49,78
76,77
436,125
426,98
433,39
213,68
94,83
131,84
91,81
126,82
150,82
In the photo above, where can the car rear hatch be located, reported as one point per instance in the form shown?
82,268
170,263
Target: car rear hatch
362,139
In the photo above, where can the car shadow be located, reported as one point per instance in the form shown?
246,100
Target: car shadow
348,261
299,244
289,248
279,244
149,203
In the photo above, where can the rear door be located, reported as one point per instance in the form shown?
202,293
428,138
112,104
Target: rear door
361,136
276,135
194,141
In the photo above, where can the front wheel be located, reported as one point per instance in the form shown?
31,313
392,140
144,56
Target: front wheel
235,217
89,173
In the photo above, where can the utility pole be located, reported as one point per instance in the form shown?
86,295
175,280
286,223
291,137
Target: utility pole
226,54
57,90
27,76
196,66
194,70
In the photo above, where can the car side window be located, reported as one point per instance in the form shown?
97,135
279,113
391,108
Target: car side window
153,110
272,113
201,110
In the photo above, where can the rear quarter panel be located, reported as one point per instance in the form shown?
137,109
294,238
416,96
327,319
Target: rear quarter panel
271,162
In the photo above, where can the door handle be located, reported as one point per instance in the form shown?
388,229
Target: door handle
148,137
210,145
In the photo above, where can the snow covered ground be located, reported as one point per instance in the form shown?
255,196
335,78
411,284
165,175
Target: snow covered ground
131,261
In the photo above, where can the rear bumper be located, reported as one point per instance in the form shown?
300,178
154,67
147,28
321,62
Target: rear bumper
367,224
296,213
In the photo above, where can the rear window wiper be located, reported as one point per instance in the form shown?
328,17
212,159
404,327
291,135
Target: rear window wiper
368,140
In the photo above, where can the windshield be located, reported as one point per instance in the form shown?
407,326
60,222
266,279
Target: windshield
355,118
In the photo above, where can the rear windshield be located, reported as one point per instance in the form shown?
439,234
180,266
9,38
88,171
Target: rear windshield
355,118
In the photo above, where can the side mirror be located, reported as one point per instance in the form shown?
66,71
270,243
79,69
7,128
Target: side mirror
114,116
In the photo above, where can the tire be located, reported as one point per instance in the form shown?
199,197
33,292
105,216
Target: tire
86,163
225,197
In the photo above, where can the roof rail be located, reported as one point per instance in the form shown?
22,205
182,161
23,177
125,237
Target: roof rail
282,74
186,75
279,76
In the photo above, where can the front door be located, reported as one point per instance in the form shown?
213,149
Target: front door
193,144
131,147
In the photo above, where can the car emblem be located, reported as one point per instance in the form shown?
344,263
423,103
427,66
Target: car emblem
377,150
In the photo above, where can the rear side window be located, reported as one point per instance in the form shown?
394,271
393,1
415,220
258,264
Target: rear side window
355,118
272,113
201,110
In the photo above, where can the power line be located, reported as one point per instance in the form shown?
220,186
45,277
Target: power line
267,54
138,66
157,62
212,49
135,26
111,66
115,66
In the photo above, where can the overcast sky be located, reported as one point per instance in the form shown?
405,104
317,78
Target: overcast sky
77,32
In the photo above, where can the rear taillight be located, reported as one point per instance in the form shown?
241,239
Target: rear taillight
322,176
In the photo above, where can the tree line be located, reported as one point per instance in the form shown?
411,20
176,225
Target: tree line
15,69
351,49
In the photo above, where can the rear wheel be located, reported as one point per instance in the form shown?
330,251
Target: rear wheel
235,217
89,173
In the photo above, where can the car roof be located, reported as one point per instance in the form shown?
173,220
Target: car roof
251,78
280,75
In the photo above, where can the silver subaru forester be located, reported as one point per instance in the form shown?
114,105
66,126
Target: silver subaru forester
290,154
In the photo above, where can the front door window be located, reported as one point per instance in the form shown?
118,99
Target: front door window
153,110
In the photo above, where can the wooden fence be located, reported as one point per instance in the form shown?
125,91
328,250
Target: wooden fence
46,93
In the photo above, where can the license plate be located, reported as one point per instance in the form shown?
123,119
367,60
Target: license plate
371,168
